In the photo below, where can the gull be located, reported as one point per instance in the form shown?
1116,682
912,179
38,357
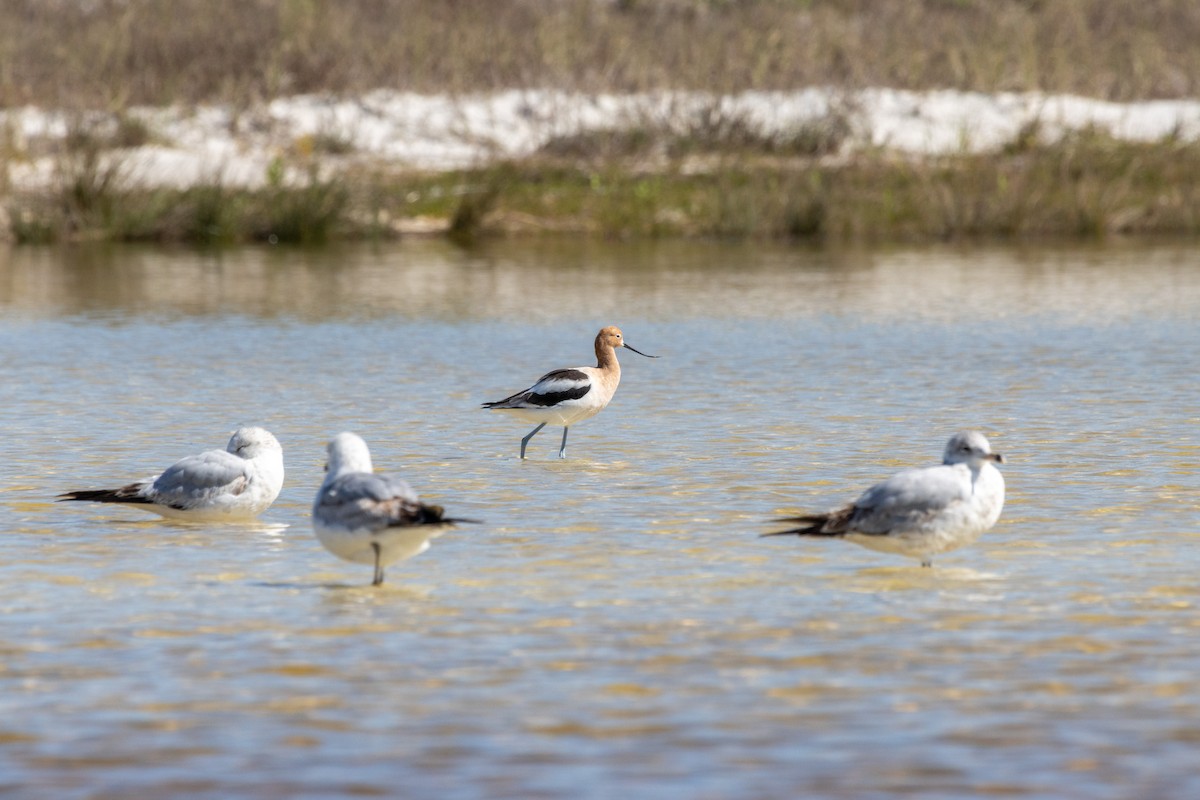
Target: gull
921,512
566,396
237,483
367,518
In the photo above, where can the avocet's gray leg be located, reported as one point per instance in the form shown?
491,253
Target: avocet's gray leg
378,569
562,450
525,441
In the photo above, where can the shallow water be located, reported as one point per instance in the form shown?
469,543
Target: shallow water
615,625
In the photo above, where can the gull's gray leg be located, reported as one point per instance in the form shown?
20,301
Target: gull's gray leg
378,569
525,441
562,450
928,563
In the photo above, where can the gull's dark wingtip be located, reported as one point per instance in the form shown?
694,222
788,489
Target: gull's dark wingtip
809,525
130,493
436,515
100,496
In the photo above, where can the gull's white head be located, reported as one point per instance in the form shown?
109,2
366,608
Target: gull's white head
252,442
971,448
347,453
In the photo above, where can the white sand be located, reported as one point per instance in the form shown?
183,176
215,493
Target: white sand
392,129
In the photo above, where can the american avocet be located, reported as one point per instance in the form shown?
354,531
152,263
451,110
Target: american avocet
921,512
236,483
566,396
368,518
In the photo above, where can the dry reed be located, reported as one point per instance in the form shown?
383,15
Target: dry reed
113,53
717,179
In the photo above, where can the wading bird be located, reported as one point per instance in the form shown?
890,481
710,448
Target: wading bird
921,512
237,483
367,518
566,396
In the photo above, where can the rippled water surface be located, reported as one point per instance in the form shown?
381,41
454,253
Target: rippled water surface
615,625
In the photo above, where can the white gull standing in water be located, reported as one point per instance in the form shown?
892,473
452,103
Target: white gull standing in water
237,483
367,518
921,512
566,396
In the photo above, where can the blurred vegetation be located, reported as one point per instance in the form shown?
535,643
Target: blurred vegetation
716,176
1085,186
113,53
1088,185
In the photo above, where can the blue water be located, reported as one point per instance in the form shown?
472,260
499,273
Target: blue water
615,625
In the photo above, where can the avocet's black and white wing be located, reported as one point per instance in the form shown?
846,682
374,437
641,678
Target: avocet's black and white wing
552,389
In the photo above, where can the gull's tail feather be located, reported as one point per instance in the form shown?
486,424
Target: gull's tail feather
126,494
435,515
833,523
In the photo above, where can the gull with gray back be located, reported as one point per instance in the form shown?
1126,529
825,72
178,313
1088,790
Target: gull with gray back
367,518
921,512
237,483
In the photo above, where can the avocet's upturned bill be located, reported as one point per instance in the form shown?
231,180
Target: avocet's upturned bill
237,483
921,512
367,518
566,396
